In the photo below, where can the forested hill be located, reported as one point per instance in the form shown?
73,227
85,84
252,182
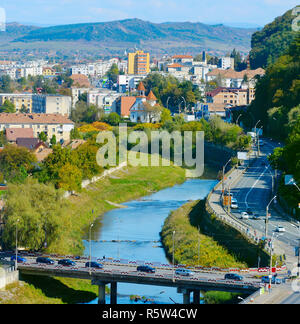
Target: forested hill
272,41
132,32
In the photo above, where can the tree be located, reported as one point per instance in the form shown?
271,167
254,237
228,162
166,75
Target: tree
43,137
113,119
53,140
16,162
36,209
70,178
113,73
165,116
84,113
8,107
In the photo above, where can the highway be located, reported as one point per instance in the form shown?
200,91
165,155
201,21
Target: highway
254,191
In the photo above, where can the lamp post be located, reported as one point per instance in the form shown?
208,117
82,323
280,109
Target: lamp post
224,167
173,256
271,263
238,119
16,261
90,264
168,102
267,216
184,104
258,147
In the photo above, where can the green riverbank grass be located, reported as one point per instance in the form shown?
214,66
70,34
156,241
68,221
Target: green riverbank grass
187,241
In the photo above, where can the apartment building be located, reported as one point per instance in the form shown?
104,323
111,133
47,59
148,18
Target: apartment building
138,63
228,96
104,99
50,124
226,63
127,83
22,100
51,104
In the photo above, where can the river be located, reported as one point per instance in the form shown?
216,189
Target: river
135,230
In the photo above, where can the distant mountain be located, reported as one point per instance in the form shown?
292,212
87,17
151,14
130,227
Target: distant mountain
272,41
115,36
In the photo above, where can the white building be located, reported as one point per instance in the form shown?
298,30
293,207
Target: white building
226,63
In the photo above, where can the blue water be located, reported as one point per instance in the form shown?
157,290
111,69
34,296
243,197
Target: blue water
139,225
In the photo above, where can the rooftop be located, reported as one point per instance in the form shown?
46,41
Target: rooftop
15,119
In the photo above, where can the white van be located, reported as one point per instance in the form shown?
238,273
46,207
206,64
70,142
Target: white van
184,272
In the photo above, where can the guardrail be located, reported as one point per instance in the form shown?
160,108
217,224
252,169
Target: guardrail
229,219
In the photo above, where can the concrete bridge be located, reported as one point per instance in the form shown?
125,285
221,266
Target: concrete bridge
112,274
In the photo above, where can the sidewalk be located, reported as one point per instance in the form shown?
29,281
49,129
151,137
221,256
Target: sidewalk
276,296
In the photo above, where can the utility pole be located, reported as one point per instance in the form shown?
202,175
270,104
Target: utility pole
199,246
173,256
224,167
267,216
16,262
90,265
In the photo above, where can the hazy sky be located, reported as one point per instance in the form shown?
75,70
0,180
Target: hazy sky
235,12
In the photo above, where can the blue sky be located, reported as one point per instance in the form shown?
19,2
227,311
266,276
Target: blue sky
233,12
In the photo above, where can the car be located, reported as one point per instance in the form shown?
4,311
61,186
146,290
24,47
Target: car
94,265
184,272
261,143
234,205
145,269
19,259
255,217
280,229
234,277
67,263
44,260
275,280
244,215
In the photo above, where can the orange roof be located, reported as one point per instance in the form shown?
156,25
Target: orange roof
182,56
33,119
151,96
13,133
81,80
175,65
232,74
141,87
126,104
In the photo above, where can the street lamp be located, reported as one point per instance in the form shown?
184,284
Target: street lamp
224,167
271,263
173,256
184,104
258,149
168,102
267,216
238,119
90,264
16,262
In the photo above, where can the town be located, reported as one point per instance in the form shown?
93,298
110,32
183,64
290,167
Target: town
150,163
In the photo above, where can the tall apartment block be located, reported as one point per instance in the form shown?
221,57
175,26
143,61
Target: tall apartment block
138,63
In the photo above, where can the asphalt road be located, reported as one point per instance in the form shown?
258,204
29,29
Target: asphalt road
254,192
294,299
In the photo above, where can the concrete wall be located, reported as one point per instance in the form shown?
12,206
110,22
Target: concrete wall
8,276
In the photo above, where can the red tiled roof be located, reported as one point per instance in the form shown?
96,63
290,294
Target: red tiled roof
126,104
13,133
30,119
151,96
175,65
141,87
182,56
80,80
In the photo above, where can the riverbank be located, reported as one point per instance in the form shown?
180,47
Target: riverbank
220,245
192,247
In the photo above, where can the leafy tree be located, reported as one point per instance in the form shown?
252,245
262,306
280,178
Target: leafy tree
8,107
69,178
113,119
43,137
84,113
53,140
15,162
113,73
165,116
36,210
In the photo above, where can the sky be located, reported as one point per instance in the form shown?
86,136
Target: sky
241,13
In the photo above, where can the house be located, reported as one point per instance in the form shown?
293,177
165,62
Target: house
145,109
80,81
42,151
50,124
29,143
12,134
124,104
229,96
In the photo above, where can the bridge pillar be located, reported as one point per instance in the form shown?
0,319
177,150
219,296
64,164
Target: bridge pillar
101,297
196,297
113,293
186,296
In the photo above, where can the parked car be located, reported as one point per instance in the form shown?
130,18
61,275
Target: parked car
249,212
67,263
19,259
280,229
94,265
244,215
44,260
275,280
234,204
234,277
145,269
184,272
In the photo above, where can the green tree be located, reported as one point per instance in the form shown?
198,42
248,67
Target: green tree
113,119
43,137
70,178
36,210
53,140
8,107
16,162
165,116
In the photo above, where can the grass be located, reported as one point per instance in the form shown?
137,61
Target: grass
188,239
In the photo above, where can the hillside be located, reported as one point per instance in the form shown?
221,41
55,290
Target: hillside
272,41
126,34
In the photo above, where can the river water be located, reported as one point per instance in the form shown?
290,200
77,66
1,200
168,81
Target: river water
136,229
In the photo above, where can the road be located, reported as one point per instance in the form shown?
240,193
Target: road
254,191
294,299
